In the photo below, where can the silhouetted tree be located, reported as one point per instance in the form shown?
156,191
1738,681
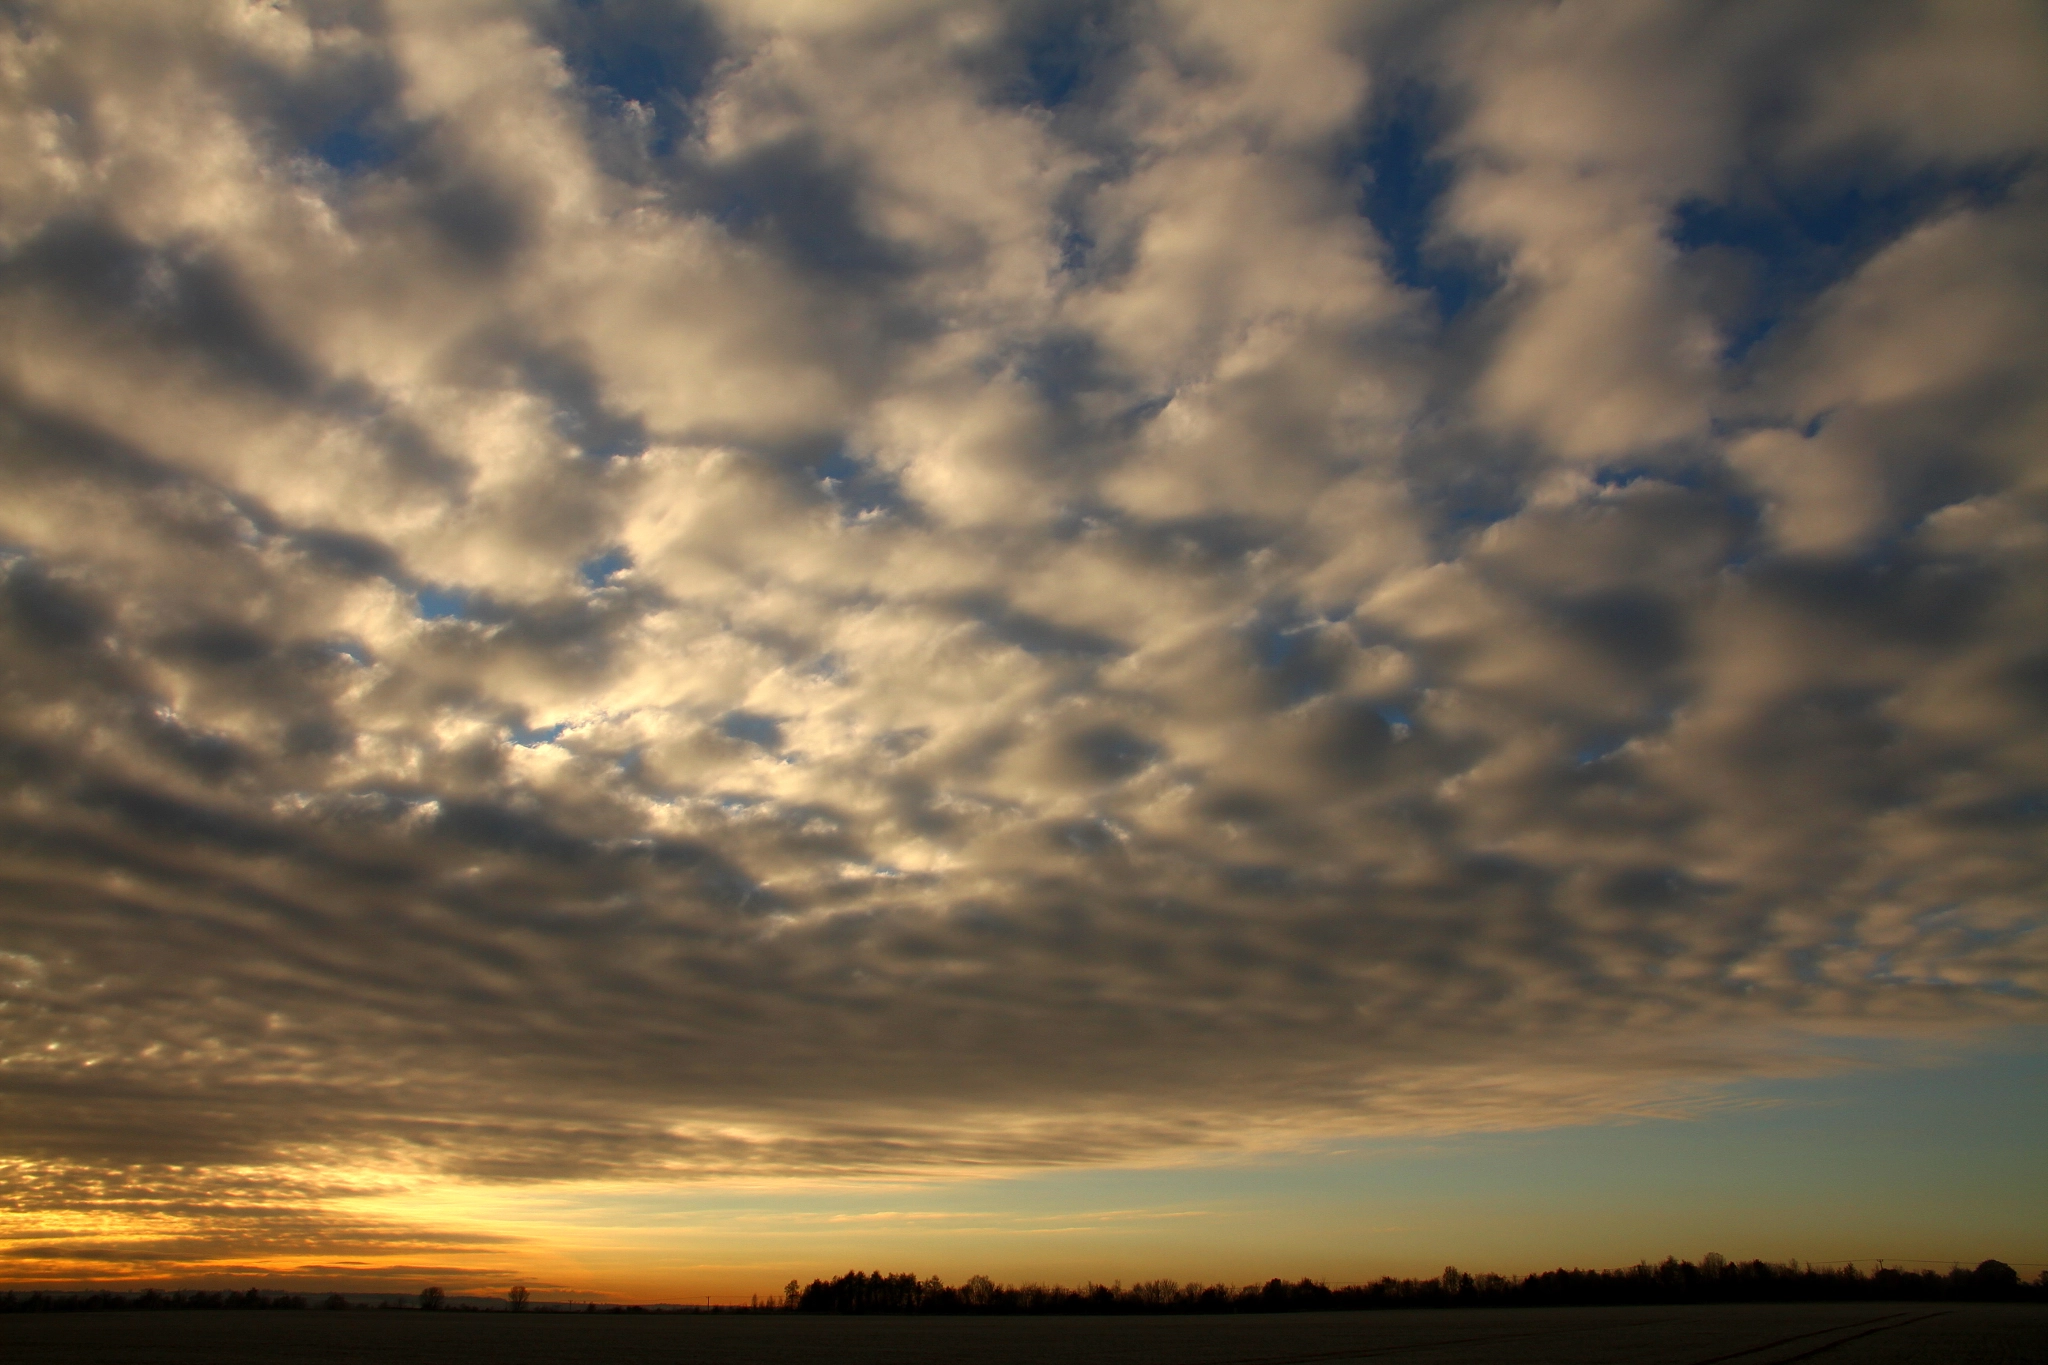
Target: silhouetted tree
518,1298
1995,1277
431,1298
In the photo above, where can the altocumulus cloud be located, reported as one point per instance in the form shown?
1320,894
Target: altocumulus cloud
681,590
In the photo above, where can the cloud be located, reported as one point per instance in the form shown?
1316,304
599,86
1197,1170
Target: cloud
761,589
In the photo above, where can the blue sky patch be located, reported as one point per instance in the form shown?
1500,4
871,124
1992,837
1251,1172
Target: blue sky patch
361,141
443,604
656,55
1061,52
860,489
1788,241
533,738
751,727
600,571
1403,182
1051,55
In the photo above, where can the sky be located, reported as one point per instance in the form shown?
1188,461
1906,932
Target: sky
653,646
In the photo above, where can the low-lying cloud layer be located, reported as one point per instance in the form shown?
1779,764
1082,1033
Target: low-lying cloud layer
658,588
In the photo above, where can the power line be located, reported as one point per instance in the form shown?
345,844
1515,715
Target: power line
1911,1260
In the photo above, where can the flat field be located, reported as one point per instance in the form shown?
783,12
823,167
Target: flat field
1742,1334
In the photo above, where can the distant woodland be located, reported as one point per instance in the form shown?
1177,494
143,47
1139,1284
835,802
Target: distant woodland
1672,1281
1715,1280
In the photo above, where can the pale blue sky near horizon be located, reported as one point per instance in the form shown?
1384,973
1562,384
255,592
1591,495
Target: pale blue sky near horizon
1918,1165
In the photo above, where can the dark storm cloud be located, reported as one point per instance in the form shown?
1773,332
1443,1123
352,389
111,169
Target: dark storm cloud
637,591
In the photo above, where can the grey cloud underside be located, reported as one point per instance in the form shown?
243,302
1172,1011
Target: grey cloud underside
918,590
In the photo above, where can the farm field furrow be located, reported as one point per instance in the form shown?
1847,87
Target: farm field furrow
1836,1334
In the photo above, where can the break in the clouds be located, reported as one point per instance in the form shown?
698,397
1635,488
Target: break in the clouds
663,590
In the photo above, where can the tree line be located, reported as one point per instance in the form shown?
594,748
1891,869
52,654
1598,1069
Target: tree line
1671,1281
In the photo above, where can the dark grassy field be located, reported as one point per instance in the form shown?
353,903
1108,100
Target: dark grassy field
1745,1334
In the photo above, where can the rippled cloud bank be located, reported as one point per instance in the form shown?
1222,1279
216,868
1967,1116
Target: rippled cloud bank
660,590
